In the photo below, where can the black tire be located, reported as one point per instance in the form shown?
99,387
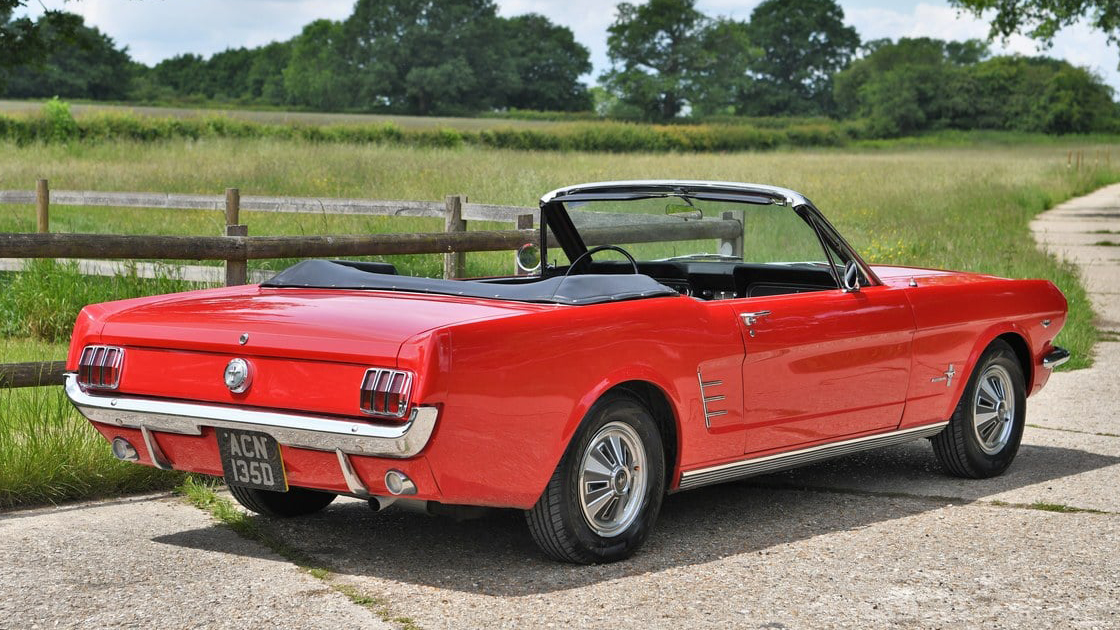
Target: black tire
558,522
974,445
294,502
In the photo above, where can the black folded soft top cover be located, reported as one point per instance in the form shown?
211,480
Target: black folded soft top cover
575,289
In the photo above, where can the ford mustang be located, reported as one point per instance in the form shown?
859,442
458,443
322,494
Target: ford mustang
665,335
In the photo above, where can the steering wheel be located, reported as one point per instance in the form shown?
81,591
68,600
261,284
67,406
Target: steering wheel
594,250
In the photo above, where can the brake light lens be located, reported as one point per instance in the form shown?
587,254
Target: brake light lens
385,392
99,367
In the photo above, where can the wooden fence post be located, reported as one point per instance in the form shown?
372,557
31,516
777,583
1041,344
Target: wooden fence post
524,222
43,206
733,246
237,270
454,262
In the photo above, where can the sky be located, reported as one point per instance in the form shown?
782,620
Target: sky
154,30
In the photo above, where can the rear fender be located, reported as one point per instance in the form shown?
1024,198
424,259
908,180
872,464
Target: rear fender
624,374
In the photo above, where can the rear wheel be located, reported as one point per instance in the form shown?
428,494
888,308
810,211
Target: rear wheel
983,436
294,502
603,499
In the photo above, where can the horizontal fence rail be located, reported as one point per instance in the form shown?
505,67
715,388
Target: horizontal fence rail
257,203
137,246
32,374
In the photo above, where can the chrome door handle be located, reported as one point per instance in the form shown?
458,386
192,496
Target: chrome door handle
750,319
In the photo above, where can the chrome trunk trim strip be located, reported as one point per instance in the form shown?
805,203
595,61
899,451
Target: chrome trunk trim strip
792,459
322,433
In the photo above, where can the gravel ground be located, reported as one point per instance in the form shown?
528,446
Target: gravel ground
153,562
881,539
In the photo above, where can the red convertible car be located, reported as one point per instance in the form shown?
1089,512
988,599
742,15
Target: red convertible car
735,334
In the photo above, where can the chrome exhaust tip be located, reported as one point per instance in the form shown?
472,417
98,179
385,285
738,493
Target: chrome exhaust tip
124,450
378,504
398,483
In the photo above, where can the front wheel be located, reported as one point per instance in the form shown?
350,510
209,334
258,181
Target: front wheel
294,502
602,501
983,436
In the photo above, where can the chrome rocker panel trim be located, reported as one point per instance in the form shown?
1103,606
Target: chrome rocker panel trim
792,459
1056,357
319,433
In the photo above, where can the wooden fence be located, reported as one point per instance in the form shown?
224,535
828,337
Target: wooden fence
236,247
455,210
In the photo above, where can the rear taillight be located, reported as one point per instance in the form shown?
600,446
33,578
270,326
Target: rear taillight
100,367
385,392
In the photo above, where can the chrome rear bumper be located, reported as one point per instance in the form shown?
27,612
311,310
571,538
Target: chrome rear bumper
321,433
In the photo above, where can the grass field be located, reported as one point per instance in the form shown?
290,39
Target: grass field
960,208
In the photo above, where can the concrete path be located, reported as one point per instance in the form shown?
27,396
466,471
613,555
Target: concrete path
882,539
153,563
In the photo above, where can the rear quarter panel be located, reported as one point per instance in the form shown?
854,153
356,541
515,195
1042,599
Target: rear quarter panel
514,391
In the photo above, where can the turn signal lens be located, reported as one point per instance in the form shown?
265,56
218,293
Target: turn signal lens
100,367
385,392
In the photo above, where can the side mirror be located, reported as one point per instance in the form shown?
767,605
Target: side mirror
851,277
528,258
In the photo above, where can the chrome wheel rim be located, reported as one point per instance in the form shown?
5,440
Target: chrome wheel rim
993,409
612,479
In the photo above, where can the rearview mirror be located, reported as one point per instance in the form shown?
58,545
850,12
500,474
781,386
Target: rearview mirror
684,211
851,277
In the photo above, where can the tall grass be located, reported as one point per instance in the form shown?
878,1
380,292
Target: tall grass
48,453
43,301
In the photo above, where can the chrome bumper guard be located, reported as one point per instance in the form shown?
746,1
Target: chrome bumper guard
320,433
1056,357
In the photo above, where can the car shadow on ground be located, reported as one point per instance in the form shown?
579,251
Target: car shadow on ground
495,555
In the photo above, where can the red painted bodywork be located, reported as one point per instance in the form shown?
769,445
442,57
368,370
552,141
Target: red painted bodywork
514,380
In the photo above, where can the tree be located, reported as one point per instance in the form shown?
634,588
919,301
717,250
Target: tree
227,73
429,56
923,84
653,50
804,43
76,61
185,74
265,79
721,80
24,41
1074,101
549,63
1042,19
914,85
317,74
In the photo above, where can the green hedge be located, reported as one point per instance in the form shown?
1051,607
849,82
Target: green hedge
56,125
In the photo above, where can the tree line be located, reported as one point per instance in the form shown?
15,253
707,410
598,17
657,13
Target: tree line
669,62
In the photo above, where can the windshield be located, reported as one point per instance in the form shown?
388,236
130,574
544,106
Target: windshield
679,227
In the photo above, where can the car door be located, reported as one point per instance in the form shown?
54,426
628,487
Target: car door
822,365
